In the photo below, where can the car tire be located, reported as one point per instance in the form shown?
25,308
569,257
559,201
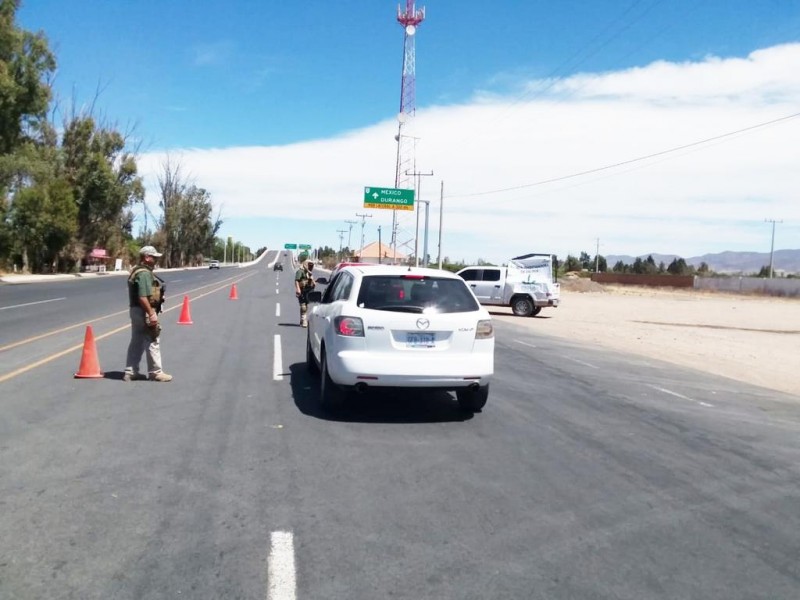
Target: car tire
311,362
522,306
473,401
331,396
536,311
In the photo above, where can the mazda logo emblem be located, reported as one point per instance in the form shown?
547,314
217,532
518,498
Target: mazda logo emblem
423,323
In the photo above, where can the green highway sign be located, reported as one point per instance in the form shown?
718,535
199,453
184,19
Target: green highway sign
290,246
391,198
305,246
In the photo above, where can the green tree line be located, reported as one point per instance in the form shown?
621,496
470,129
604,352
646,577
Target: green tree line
70,187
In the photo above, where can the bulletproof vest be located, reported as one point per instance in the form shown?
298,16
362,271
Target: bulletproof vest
156,294
306,278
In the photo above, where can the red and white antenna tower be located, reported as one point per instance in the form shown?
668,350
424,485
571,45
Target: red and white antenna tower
410,19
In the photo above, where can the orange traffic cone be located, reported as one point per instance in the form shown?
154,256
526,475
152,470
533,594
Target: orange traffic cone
186,316
234,294
90,365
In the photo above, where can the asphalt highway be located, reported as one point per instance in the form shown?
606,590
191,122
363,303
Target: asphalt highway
589,475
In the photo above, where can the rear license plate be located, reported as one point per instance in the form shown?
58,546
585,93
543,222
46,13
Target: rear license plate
420,340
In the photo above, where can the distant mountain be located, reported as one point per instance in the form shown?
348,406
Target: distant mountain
726,262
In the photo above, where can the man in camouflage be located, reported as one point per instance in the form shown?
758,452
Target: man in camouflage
304,283
145,296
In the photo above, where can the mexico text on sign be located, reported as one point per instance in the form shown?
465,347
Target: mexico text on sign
391,198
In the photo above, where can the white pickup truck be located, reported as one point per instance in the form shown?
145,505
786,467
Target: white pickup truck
527,284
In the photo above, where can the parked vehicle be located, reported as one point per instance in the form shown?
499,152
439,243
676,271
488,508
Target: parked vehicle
214,264
383,326
527,284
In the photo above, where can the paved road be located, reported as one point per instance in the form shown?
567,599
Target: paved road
590,474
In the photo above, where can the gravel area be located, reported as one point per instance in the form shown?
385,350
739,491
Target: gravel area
752,339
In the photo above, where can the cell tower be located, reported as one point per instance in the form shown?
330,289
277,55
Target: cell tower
409,19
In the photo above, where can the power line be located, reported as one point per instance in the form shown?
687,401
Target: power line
630,161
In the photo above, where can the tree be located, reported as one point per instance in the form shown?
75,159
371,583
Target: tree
678,266
620,267
26,64
571,264
600,262
586,261
44,219
104,176
187,227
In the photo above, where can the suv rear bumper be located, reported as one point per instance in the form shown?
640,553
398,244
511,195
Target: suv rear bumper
349,368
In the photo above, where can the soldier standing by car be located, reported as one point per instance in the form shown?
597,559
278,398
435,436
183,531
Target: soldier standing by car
304,283
145,295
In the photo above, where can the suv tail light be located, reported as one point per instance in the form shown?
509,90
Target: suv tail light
484,330
348,326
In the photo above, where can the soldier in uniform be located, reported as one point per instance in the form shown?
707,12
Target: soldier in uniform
304,283
145,295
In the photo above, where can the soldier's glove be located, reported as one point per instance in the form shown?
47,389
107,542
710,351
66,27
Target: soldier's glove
154,331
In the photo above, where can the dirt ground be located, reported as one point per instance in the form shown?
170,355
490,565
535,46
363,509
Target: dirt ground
748,338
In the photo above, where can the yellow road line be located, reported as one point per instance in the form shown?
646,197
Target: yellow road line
89,322
53,357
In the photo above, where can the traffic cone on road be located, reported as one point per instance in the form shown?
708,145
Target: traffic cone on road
90,365
234,293
186,316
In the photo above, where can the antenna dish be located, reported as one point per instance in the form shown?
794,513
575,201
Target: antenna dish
410,30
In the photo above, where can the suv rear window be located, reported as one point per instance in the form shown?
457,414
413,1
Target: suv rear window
402,294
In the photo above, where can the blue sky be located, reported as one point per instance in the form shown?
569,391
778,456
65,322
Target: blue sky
285,110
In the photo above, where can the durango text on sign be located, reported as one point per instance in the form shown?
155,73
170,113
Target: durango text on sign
391,198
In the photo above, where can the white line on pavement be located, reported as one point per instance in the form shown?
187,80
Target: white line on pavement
277,310
32,303
681,396
277,363
580,362
525,343
281,584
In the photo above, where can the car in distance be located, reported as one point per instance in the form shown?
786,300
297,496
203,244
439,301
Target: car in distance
278,267
399,327
214,264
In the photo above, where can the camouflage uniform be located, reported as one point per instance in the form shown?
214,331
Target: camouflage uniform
304,283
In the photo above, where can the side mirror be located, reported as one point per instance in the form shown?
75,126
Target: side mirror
314,297
321,280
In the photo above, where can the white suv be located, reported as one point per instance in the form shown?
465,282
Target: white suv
399,327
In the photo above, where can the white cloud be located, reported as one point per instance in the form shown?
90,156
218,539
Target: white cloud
707,198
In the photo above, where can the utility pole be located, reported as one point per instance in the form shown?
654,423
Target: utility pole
597,257
418,199
364,218
380,256
772,245
351,223
441,215
341,233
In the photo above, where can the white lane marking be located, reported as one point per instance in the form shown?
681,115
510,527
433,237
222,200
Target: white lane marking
277,290
580,362
175,280
681,396
277,310
281,579
525,343
32,303
277,363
